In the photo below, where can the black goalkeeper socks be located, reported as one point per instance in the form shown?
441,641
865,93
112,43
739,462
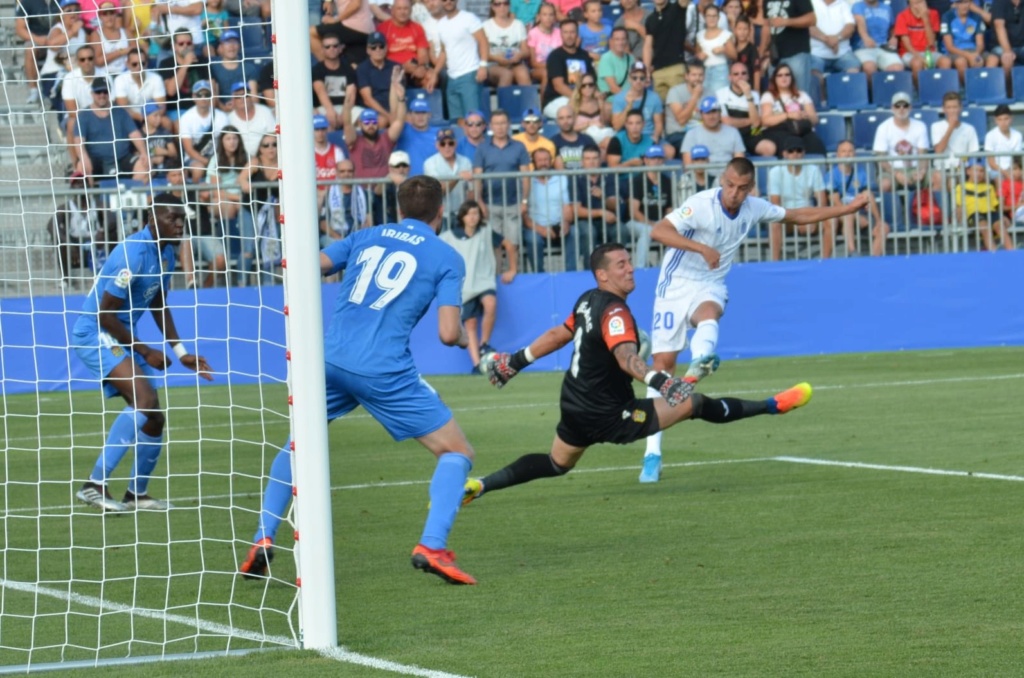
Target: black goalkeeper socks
726,410
524,469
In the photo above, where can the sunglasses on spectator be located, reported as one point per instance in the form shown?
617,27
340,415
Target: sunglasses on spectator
402,164
638,78
475,124
374,47
83,60
269,144
901,105
333,45
447,142
499,4
587,84
743,73
187,43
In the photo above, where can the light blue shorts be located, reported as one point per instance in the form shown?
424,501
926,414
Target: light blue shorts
404,404
101,353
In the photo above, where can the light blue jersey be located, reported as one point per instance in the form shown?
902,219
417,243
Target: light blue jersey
392,274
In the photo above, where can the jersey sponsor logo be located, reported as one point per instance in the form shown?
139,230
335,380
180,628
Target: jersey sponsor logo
616,327
117,351
687,212
124,278
639,416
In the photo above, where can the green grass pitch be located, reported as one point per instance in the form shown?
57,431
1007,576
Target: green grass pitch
738,563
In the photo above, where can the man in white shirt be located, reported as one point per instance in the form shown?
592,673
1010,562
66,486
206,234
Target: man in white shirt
952,137
454,171
793,187
1003,139
252,120
830,38
701,239
199,128
464,51
186,14
76,90
901,135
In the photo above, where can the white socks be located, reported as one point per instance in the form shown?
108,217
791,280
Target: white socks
705,339
654,440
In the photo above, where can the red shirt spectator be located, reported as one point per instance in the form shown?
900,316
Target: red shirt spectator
404,42
913,28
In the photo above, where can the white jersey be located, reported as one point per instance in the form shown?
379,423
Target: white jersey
702,219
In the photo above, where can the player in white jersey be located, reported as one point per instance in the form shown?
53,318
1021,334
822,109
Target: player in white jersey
701,239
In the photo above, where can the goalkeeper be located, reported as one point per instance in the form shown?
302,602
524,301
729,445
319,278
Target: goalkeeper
597,403
134,278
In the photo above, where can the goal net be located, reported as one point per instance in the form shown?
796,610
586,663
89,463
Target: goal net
79,585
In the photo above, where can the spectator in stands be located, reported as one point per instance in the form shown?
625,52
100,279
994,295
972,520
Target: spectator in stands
568,9
431,12
901,135
63,40
542,39
663,46
109,145
722,141
789,22
613,67
350,22
180,71
474,130
217,19
1008,22
793,187
228,68
265,84
501,199
408,46
978,203
260,207
136,87
199,129
696,23
1005,140
464,52
650,201
787,111
710,49
594,30
374,77
742,50
476,242
384,196
846,182
32,26
548,217
830,38
327,158
953,138
740,110
369,148
74,226
162,145
204,234
696,178
627,147
594,194
569,144
591,114
253,120
1011,192
454,171
682,103
530,137
634,19
110,40
567,65
917,29
526,11
77,88
640,97
417,138
506,38
331,77
348,206
186,15
963,40
873,41
224,200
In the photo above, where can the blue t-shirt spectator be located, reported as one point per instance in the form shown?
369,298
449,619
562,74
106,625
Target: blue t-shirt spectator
106,139
226,77
595,42
419,144
649,105
377,79
621,145
848,186
964,33
878,18
509,158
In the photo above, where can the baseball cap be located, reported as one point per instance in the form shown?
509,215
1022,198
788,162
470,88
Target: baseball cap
229,35
793,144
655,151
478,113
708,104
531,114
445,133
975,162
150,108
320,122
638,66
100,84
64,4
201,85
699,152
376,38
368,115
398,158
238,86
900,98
109,4
419,106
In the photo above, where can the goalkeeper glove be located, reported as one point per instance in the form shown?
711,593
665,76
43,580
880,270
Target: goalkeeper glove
501,367
673,389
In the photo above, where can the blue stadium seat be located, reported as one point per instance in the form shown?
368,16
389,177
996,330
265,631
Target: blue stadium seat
831,129
1018,82
986,86
927,116
846,91
485,102
435,101
515,99
897,6
549,130
935,82
864,126
611,12
976,116
886,83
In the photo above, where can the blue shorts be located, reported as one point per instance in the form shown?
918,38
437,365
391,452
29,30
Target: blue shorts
474,308
404,403
101,353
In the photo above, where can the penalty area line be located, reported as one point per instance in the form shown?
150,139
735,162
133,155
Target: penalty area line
900,469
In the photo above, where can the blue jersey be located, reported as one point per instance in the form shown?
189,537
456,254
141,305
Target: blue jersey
135,271
392,274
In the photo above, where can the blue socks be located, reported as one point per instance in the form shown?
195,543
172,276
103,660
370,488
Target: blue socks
147,453
121,437
277,495
446,488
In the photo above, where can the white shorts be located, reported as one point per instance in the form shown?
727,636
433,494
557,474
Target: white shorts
672,313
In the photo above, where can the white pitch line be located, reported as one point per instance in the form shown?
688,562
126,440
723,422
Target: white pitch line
339,654
900,469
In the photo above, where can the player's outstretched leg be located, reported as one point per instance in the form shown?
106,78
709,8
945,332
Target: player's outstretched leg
790,399
524,469
431,554
728,410
276,497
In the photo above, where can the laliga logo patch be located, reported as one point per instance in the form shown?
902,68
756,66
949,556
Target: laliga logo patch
639,416
616,326
687,211
124,277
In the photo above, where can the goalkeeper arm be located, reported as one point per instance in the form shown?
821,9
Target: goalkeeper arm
504,366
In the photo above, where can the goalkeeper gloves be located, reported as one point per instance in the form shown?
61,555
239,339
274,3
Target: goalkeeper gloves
501,367
673,389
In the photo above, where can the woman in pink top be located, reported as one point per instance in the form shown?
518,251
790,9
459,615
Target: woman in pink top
563,7
541,40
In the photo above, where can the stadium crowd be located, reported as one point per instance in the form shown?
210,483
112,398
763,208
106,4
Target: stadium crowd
180,93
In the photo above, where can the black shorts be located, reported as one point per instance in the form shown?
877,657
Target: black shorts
635,420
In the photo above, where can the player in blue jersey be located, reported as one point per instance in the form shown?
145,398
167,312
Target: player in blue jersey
392,274
133,280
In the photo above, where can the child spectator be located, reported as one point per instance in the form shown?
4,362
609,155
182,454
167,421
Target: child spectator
978,204
917,29
741,49
963,40
163,146
594,30
476,242
1002,139
1010,190
845,182
542,39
